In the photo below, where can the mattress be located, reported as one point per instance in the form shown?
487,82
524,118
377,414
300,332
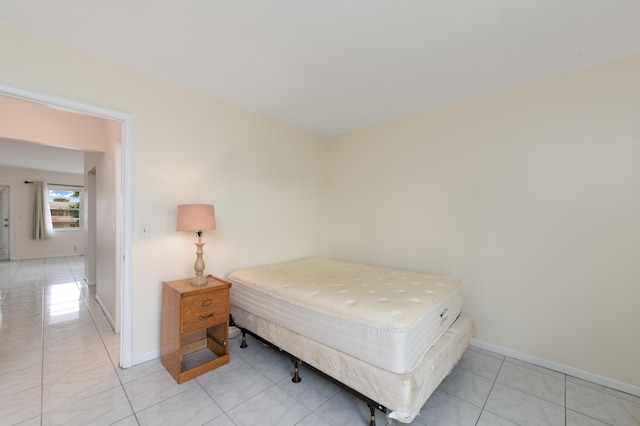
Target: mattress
403,394
385,317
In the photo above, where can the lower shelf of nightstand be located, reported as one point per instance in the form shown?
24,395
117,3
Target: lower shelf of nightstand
202,351
196,358
199,367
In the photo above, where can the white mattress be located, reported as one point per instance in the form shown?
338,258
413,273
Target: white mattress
403,394
385,317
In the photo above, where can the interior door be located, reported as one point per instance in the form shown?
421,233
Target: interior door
4,222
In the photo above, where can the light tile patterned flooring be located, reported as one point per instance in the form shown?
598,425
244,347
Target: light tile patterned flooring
59,356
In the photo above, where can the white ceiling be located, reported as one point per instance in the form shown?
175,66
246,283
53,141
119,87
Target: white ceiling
332,66
40,157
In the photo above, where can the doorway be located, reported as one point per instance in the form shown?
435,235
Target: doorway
5,241
124,215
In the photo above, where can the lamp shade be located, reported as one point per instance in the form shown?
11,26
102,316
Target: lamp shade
196,217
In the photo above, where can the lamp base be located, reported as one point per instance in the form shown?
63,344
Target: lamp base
199,265
199,281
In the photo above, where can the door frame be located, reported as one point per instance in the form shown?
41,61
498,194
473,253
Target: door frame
8,235
125,216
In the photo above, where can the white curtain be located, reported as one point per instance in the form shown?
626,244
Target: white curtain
42,225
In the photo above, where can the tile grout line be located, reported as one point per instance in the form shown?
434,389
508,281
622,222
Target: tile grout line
495,380
42,292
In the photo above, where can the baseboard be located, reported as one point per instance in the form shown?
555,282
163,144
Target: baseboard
45,257
147,357
105,311
580,374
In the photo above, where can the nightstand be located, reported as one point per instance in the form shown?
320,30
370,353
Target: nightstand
195,327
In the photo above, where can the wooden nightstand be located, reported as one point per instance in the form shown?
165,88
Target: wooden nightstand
195,327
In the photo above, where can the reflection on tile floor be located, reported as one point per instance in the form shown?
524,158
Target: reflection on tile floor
59,357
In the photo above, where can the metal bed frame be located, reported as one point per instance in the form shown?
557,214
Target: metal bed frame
373,405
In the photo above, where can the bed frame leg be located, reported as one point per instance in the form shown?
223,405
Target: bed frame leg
296,377
244,339
372,421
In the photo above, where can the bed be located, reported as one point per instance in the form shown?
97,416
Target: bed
389,336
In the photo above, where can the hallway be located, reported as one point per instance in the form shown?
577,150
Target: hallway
57,346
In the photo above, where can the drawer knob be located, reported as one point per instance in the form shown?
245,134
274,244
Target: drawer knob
201,317
206,302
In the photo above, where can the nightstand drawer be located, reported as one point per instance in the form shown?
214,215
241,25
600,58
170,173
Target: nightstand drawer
204,310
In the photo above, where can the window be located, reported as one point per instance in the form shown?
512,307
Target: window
65,208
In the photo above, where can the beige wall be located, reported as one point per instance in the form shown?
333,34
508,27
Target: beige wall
529,195
267,180
65,242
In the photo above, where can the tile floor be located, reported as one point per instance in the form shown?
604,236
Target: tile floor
59,356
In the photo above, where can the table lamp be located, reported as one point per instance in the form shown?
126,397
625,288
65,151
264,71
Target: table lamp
197,217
